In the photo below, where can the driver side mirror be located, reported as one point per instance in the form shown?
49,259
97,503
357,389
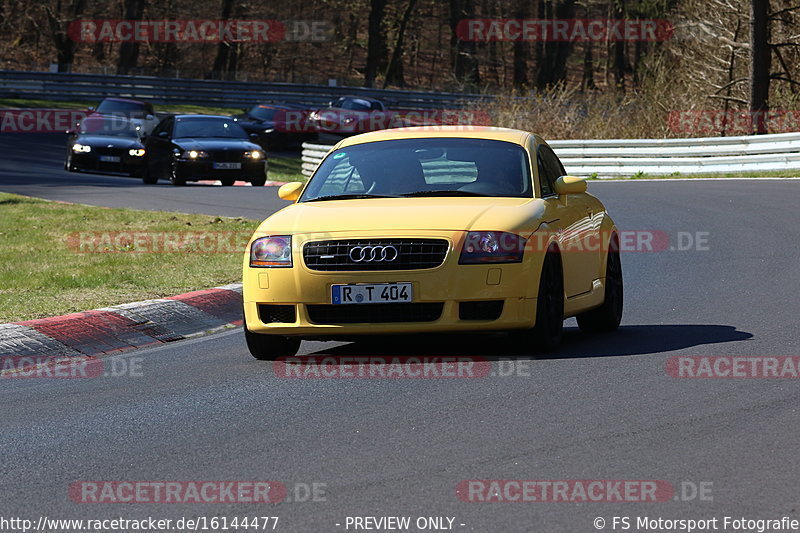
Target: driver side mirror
570,185
254,136
163,134
290,191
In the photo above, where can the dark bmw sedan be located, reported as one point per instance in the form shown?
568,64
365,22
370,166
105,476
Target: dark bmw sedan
106,144
277,126
196,147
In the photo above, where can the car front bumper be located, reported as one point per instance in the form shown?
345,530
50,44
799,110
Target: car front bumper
307,295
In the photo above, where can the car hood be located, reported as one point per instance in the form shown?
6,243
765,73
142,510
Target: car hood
107,141
188,143
403,214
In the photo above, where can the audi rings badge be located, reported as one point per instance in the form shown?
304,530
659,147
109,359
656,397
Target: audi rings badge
373,254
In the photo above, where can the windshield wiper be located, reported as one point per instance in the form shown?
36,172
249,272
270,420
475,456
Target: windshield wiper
445,192
349,197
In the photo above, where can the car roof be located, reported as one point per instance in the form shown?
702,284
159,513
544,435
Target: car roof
129,100
429,132
281,106
178,117
356,97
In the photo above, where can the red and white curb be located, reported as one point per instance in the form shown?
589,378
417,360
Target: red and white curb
124,327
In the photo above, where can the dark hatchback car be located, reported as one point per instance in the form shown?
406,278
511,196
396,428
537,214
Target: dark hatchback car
138,110
278,126
351,115
194,147
106,144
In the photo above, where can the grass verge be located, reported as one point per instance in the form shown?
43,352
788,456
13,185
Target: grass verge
285,169
43,271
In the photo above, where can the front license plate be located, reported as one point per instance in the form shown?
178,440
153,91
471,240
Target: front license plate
227,166
109,158
371,293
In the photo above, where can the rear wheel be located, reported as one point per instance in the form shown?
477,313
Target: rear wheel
546,333
608,316
258,182
270,347
147,177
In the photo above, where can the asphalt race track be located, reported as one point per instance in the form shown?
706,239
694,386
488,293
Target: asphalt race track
601,408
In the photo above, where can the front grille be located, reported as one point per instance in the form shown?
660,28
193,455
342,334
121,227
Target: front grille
374,313
412,254
271,313
226,156
485,310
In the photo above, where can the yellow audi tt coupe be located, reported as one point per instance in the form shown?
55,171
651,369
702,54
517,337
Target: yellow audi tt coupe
419,230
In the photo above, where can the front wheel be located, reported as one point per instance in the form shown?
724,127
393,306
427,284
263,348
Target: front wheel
175,179
608,316
546,333
227,182
270,347
258,182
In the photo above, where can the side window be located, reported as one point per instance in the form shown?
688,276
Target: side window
550,169
164,125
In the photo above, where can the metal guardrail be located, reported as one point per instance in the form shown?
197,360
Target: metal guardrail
233,94
658,157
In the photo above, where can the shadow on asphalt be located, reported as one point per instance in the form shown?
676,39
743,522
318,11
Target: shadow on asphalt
628,340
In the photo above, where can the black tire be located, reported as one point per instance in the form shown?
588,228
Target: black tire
147,177
175,180
270,347
608,316
258,182
68,166
227,182
546,333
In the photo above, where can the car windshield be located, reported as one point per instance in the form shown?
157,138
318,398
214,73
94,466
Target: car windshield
117,107
423,167
262,112
352,104
113,127
208,127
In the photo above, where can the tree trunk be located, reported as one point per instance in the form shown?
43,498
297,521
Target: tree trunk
226,61
394,73
465,60
129,50
521,49
760,56
65,47
376,43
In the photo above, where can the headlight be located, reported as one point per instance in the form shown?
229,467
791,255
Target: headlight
274,251
269,130
77,147
255,154
194,154
491,247
136,152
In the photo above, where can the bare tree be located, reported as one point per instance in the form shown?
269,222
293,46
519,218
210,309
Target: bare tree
58,21
129,50
760,55
376,44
